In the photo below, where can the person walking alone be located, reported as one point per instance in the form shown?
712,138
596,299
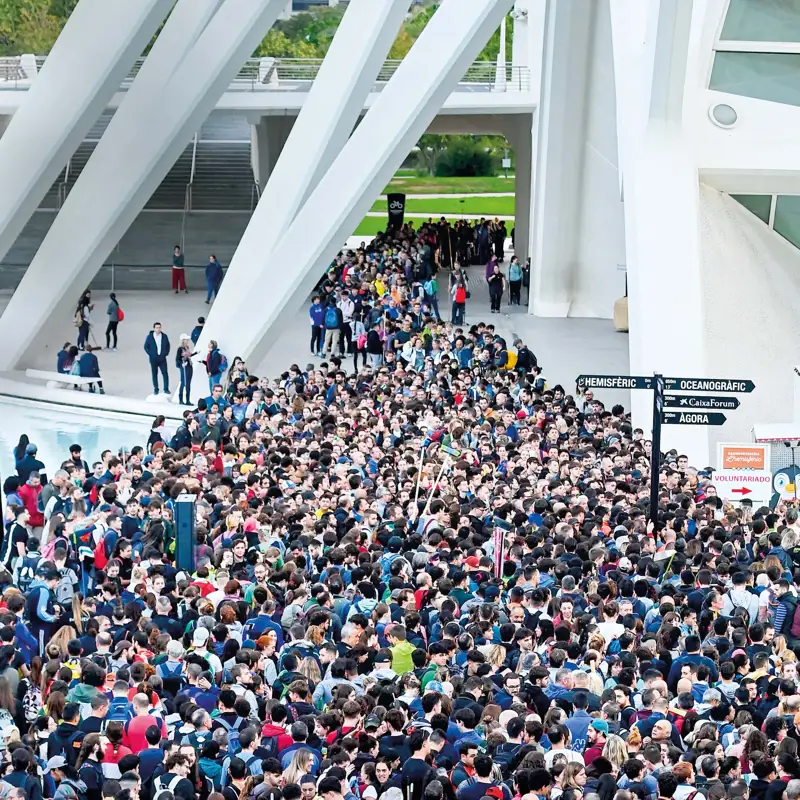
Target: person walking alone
156,345
213,277
515,281
497,283
183,361
113,313
178,272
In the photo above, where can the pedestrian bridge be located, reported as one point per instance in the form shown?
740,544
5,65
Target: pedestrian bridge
279,85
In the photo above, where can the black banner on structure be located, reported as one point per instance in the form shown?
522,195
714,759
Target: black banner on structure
397,210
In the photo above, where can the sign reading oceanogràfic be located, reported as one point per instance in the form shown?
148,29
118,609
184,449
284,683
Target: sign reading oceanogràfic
708,385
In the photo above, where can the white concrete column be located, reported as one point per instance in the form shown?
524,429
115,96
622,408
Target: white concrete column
95,51
267,139
327,119
559,156
520,138
127,166
399,116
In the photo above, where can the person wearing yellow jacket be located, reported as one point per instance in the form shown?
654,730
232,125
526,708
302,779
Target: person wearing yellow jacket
401,650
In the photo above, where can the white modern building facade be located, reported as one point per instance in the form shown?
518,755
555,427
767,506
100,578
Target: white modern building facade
656,148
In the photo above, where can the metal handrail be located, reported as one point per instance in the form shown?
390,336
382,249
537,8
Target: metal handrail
255,196
194,159
11,69
187,205
267,74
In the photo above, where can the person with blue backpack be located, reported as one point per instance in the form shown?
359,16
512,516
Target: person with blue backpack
333,322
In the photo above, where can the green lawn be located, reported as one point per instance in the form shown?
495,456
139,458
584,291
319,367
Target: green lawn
485,206
371,225
414,185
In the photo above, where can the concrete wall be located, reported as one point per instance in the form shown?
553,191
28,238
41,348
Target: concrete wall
148,242
751,292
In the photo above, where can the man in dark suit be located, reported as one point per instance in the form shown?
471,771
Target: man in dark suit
156,345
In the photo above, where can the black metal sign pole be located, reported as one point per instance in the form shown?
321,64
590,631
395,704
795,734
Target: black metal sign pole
655,452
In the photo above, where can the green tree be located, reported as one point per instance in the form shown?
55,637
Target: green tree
463,157
429,150
492,49
29,26
278,45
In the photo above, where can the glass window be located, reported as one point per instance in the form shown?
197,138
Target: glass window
787,218
757,204
762,21
766,76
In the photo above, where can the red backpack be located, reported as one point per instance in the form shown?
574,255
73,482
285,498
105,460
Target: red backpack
461,294
100,557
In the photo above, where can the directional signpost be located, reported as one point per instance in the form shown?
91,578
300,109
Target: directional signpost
694,409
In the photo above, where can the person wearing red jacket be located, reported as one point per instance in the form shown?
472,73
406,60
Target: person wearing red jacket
29,492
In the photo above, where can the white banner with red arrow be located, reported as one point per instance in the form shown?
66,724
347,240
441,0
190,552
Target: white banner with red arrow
744,473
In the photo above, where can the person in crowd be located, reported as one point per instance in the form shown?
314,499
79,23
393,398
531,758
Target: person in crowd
156,345
114,314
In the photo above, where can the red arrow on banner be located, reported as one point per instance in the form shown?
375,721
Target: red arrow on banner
744,490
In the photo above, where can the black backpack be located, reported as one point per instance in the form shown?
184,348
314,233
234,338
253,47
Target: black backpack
68,747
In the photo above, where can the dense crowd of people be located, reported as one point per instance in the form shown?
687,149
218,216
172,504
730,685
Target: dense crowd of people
431,577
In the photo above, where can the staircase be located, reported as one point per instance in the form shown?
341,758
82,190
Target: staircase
171,193
223,177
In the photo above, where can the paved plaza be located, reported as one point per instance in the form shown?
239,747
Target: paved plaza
564,347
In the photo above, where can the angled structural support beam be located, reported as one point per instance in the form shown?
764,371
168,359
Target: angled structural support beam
559,155
119,178
328,117
398,117
97,48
